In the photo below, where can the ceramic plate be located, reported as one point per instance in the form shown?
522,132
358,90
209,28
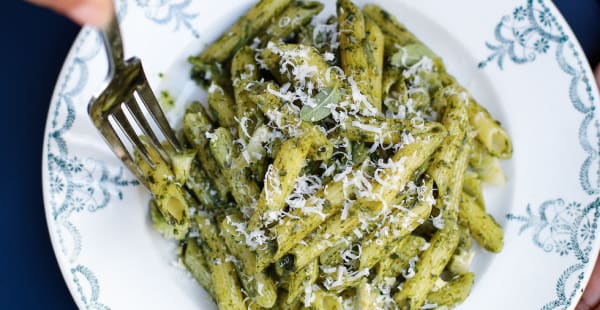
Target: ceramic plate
518,58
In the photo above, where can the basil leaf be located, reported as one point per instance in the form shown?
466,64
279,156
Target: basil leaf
410,54
324,99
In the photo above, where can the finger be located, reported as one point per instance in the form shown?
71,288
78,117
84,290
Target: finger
93,12
591,295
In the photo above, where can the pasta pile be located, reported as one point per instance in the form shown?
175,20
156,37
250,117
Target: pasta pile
336,165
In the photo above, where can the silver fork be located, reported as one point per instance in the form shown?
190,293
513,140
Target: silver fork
118,114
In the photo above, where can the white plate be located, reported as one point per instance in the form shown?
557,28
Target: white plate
519,59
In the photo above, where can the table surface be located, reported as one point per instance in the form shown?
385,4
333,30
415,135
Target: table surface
35,44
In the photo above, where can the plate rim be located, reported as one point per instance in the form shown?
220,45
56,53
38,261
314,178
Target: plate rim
51,223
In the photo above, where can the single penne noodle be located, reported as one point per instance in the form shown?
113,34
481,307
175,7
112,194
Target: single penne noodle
455,119
353,55
472,187
383,130
374,47
195,261
228,291
243,189
259,286
486,166
169,197
484,229
242,31
489,131
299,64
388,24
244,71
453,293
302,280
366,296
398,261
428,267
222,104
281,177
195,125
295,16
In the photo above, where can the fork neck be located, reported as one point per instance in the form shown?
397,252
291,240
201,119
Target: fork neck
113,43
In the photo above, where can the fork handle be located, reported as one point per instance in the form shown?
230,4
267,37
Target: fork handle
113,43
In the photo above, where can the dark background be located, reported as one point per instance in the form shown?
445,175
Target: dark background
34,45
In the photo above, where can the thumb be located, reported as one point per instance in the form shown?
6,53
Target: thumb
93,12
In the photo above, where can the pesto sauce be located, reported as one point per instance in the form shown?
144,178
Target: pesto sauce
166,101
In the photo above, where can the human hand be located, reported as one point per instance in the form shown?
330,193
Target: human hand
93,12
591,296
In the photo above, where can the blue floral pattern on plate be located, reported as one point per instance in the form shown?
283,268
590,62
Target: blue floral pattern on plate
567,229
79,185
563,228
165,11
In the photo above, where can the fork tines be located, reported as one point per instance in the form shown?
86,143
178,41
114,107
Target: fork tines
121,113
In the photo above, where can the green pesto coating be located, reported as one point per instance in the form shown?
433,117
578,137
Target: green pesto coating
293,19
332,256
195,125
389,25
293,229
300,280
254,251
281,177
335,229
489,131
200,184
243,189
289,231
228,291
444,242
281,58
195,261
160,224
244,71
428,268
241,32
472,187
221,103
454,292
486,166
378,242
484,229
455,120
168,194
360,152
287,120
374,47
259,286
353,56
382,129
392,265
